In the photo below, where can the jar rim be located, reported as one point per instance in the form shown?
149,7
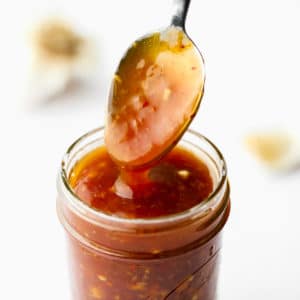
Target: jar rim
79,206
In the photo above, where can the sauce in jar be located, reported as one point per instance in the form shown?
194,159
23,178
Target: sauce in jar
162,241
178,182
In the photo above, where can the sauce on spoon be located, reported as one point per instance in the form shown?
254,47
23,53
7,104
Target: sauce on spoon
155,93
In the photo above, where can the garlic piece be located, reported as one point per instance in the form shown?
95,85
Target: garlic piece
184,174
95,293
122,189
276,149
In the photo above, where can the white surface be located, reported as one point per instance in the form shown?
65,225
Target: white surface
251,49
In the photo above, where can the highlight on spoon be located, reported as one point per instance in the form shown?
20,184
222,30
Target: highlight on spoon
155,93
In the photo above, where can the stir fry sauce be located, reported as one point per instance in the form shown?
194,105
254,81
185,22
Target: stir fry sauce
154,96
178,182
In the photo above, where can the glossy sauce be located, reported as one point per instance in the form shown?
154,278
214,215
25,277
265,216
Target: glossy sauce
178,182
154,95
126,258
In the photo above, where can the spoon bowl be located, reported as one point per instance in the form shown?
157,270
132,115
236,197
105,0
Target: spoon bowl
155,93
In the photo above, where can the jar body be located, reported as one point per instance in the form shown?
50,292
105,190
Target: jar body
176,257
191,275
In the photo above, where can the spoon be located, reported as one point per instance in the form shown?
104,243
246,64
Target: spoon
155,93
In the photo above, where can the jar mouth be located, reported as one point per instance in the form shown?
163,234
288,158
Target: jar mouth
79,206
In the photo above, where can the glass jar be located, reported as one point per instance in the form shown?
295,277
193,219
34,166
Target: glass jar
170,257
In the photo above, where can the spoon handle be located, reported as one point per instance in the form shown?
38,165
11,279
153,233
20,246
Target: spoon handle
181,9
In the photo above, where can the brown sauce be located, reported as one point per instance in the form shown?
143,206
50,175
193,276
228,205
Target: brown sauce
154,96
178,182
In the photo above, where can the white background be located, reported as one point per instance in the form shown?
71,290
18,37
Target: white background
252,55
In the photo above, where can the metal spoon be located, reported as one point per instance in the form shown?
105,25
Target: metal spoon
155,93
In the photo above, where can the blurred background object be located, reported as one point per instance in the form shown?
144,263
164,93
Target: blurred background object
276,149
62,58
